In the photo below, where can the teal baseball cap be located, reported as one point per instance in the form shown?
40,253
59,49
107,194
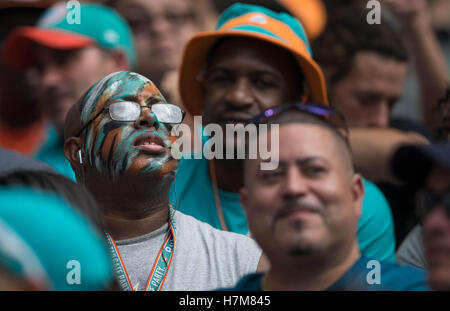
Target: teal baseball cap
67,27
47,242
249,21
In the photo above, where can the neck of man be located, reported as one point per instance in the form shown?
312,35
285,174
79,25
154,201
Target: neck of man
311,273
132,207
229,174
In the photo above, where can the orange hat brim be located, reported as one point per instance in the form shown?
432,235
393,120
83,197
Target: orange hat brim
17,50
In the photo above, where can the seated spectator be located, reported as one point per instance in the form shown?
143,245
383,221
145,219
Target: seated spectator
118,142
69,58
45,244
428,167
304,214
233,73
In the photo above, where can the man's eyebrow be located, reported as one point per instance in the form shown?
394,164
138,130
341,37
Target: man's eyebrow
308,160
300,162
217,69
153,99
255,71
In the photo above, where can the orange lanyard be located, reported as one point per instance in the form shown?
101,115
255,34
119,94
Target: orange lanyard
160,267
212,171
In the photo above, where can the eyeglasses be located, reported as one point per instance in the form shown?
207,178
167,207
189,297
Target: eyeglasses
427,201
128,111
330,115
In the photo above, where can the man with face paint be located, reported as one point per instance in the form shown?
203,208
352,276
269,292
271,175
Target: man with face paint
118,141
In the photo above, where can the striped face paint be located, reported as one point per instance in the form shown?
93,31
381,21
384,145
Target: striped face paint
116,148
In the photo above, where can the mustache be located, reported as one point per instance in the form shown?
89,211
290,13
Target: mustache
298,204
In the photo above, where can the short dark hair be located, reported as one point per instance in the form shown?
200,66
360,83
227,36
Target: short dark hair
295,116
73,193
348,33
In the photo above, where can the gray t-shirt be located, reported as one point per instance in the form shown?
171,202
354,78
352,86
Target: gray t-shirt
204,258
11,162
411,251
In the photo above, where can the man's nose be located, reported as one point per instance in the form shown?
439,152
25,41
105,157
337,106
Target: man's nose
295,185
159,25
240,95
436,221
50,76
147,119
379,115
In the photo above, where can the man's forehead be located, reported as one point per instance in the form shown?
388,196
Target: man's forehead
297,142
161,6
114,86
235,47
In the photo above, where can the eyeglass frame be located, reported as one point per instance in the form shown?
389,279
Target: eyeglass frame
428,201
183,114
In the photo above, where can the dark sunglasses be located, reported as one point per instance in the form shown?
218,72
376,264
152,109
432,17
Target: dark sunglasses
427,201
127,111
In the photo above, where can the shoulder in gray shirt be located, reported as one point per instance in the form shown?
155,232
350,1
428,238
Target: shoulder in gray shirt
204,258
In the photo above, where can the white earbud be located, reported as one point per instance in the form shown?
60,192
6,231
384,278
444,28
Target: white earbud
80,158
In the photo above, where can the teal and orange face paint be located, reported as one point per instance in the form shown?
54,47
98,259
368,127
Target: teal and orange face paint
111,145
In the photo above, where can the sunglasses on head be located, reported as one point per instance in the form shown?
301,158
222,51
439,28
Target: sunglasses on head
128,111
330,115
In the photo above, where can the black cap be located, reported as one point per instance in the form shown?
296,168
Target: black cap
412,163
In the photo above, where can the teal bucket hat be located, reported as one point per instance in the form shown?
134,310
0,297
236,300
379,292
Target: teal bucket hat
47,242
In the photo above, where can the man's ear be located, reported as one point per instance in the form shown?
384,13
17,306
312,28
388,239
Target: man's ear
357,188
72,146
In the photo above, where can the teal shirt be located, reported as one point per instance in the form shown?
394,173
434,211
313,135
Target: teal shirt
195,197
392,277
52,153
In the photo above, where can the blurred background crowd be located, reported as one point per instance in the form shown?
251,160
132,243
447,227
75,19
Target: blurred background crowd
389,80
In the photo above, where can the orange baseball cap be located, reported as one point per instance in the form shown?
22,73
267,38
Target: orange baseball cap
246,20
97,25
